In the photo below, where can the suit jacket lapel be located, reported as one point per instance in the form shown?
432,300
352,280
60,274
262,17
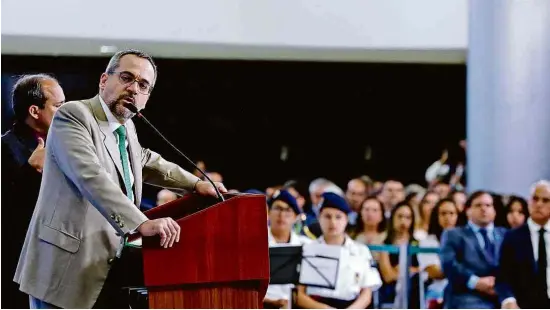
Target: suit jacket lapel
135,159
499,236
108,137
528,245
475,241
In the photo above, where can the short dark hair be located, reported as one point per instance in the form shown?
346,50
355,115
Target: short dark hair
27,92
474,196
114,62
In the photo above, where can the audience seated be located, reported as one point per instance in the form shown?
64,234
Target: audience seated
444,216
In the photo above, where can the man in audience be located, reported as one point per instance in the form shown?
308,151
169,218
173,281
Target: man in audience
523,280
35,100
292,187
469,256
283,213
392,193
165,196
356,193
214,176
442,189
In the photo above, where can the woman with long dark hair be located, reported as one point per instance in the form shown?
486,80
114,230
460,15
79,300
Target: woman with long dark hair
444,216
400,231
427,203
517,212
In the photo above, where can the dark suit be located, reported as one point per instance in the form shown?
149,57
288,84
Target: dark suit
462,257
517,271
20,188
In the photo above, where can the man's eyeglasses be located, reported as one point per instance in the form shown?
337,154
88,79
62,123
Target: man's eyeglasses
127,78
282,209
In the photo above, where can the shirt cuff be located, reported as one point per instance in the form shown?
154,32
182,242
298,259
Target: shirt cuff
472,282
507,300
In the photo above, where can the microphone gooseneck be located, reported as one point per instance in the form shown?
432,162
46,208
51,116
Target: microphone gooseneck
135,110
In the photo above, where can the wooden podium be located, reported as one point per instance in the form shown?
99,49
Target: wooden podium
221,260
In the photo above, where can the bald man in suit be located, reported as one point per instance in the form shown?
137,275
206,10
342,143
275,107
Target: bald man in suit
91,191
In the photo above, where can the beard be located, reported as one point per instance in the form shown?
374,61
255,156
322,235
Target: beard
119,111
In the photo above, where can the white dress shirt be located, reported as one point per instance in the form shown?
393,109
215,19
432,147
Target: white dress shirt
534,228
355,273
113,125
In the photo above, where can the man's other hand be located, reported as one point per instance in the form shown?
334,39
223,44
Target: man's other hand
205,188
166,228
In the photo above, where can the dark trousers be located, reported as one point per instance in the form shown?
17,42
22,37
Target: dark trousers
334,303
112,296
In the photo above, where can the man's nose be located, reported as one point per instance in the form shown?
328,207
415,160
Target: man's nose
133,87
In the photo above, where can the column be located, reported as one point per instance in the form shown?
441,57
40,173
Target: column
508,101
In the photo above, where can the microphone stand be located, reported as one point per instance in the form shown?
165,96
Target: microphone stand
134,109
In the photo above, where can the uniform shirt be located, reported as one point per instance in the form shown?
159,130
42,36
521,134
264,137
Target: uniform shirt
283,291
355,272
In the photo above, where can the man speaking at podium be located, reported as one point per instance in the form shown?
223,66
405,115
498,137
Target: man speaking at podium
91,192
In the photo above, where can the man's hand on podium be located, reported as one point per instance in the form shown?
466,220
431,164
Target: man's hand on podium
205,188
166,228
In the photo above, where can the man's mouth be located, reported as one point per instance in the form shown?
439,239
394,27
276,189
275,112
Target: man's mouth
129,100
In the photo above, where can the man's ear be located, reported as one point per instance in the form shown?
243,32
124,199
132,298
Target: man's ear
34,111
103,81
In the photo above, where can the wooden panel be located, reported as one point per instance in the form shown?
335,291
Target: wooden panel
221,247
205,298
225,242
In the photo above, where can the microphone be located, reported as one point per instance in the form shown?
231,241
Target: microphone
135,110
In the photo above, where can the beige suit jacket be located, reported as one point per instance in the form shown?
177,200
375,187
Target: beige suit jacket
82,212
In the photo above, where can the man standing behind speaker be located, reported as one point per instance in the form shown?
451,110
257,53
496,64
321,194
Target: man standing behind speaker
35,99
91,192
523,278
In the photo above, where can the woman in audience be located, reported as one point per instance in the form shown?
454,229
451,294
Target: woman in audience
400,230
517,212
444,216
356,276
426,206
459,198
371,225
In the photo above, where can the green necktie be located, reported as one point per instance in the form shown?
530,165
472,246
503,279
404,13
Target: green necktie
121,132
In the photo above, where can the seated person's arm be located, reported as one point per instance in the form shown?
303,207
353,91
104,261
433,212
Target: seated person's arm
435,272
457,273
306,302
363,300
277,303
389,273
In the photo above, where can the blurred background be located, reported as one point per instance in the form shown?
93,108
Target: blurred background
372,87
